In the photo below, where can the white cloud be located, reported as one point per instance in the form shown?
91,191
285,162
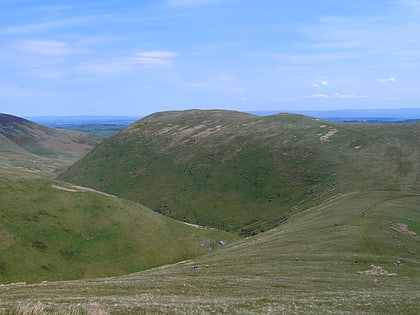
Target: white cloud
386,80
320,83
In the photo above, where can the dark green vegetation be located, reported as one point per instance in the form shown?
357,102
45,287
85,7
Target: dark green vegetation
245,173
27,145
313,264
50,230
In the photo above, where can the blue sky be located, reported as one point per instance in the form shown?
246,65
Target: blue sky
137,57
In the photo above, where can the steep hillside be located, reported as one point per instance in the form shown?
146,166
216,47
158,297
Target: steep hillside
335,258
242,172
28,145
50,230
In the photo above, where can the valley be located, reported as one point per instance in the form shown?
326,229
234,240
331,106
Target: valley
274,214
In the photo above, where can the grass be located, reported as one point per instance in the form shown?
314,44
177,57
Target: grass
27,145
54,231
247,174
335,201
309,265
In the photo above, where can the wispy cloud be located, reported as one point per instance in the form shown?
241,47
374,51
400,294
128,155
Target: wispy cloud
44,47
317,96
141,59
153,58
190,2
45,73
55,24
386,80
335,96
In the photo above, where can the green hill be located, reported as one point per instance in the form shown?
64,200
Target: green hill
335,258
28,145
50,230
246,173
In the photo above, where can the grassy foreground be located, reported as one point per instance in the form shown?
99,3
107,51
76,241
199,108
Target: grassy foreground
313,264
51,230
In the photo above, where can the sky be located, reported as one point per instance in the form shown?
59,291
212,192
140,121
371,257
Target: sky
138,57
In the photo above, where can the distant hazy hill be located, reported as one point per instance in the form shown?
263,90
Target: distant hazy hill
397,115
50,230
26,144
239,171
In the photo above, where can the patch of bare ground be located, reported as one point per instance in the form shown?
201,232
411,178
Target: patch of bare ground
74,188
376,271
189,136
403,228
328,135
196,225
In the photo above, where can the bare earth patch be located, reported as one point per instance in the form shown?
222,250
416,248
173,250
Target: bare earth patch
74,188
189,136
403,228
328,135
376,271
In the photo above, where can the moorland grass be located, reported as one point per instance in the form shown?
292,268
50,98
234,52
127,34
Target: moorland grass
245,173
54,231
309,265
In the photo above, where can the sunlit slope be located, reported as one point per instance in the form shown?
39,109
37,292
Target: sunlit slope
242,172
52,231
28,145
313,264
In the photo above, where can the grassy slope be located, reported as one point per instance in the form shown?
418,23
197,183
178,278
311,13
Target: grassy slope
238,171
53,234
25,144
309,265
